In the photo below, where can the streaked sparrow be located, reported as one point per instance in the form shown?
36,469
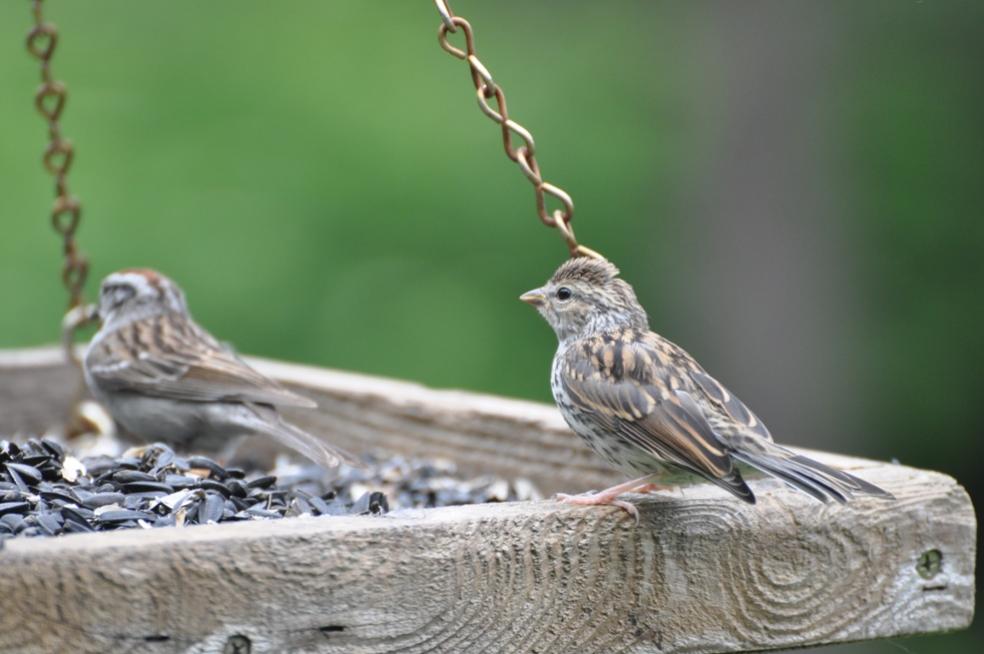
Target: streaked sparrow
163,377
648,407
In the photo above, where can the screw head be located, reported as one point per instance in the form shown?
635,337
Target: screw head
237,644
930,564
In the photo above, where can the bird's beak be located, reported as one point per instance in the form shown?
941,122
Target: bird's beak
534,298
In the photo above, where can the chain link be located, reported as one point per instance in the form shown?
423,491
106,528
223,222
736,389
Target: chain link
66,211
492,102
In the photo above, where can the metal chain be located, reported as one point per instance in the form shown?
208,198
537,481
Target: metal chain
66,211
525,155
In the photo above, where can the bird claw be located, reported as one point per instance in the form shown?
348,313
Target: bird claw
599,499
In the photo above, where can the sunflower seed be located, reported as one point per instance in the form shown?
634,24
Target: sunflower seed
129,476
147,486
102,499
211,509
123,515
14,507
208,464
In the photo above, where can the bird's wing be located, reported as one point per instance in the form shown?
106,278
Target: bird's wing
171,357
632,384
726,402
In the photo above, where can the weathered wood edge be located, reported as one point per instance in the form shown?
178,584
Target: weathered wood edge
700,574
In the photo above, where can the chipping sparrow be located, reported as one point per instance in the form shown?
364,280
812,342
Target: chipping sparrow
162,377
647,406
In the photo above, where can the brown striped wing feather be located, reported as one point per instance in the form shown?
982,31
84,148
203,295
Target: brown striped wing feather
171,357
635,384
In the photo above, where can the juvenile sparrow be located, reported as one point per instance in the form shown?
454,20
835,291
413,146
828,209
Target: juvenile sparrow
162,377
648,407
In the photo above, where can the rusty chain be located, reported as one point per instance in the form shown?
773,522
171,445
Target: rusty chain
66,211
488,92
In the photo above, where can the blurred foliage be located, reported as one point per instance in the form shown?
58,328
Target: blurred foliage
317,177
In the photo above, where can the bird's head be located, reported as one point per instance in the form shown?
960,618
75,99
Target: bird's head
137,293
585,296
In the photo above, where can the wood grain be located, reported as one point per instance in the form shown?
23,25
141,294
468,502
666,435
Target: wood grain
701,573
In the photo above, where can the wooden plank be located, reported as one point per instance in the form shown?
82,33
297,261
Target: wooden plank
701,573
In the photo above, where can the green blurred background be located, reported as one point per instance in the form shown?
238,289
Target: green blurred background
794,188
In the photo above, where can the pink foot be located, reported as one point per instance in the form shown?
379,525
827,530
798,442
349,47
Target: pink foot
651,488
609,496
599,499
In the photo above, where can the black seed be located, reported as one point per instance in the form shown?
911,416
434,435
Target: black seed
165,457
240,503
52,495
14,507
211,509
102,499
207,464
180,482
373,503
259,510
262,482
130,476
165,521
78,514
237,487
50,523
300,506
14,495
99,465
147,486
339,507
77,527
16,478
37,502
33,460
320,505
54,448
212,485
236,473
11,521
135,501
124,515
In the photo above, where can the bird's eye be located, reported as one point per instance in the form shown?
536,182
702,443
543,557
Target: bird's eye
117,294
564,293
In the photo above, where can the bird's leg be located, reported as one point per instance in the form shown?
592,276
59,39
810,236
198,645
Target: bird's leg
651,487
610,496
231,449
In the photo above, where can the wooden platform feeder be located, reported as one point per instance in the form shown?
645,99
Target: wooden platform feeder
701,573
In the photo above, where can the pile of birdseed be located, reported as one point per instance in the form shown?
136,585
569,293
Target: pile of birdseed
46,492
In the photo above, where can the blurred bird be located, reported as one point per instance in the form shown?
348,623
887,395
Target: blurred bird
648,407
162,377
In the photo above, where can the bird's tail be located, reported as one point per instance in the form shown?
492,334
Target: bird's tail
302,442
812,477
